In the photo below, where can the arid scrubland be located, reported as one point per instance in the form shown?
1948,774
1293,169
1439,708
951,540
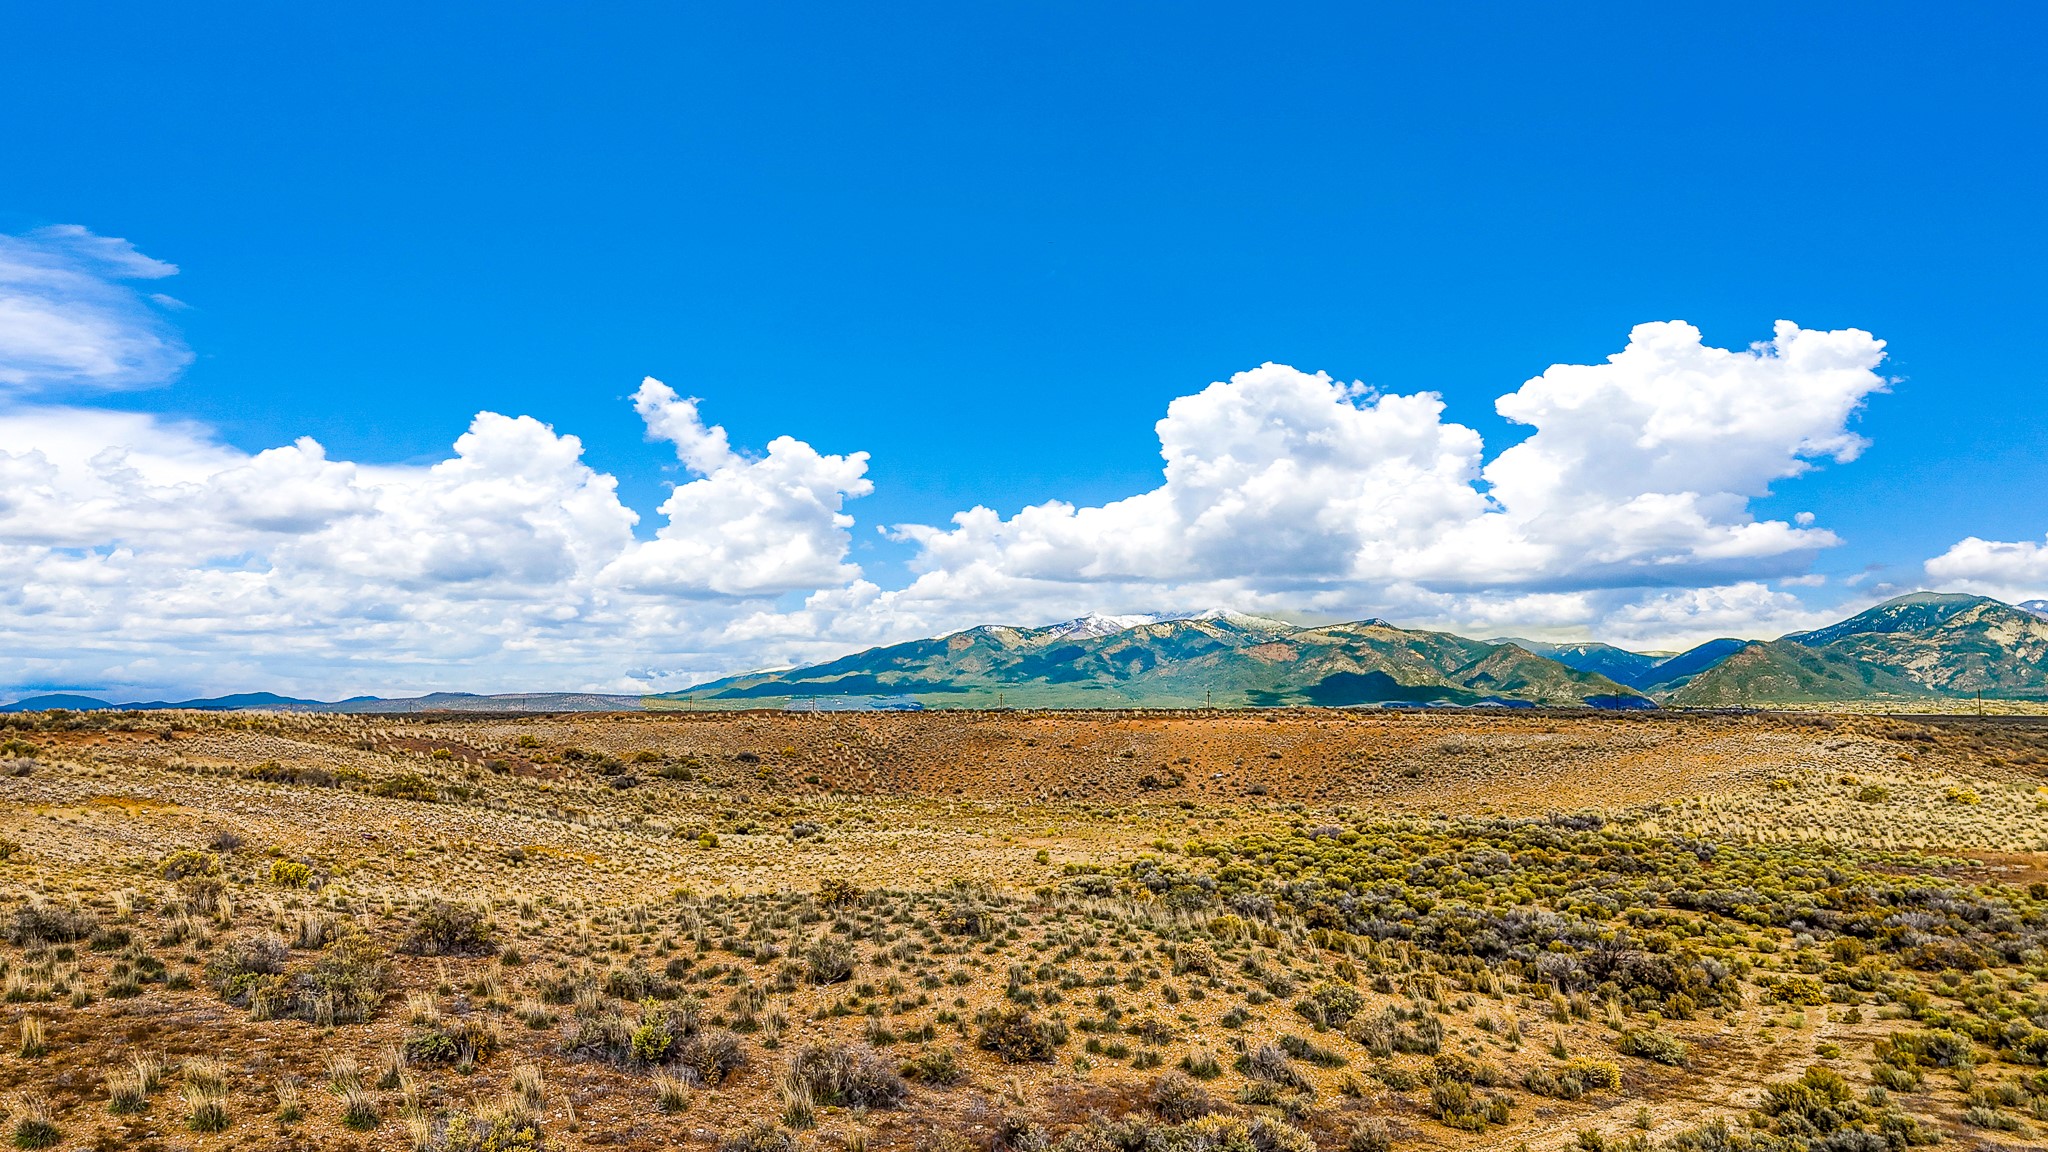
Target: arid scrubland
1253,932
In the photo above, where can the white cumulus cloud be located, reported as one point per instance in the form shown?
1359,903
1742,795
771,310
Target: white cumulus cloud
2008,570
746,526
135,547
1285,486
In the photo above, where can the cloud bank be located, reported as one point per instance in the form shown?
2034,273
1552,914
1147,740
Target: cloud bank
141,551
1639,472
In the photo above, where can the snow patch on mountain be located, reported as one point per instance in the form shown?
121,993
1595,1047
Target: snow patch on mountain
1108,624
1099,624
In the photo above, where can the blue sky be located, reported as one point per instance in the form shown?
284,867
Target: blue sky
987,245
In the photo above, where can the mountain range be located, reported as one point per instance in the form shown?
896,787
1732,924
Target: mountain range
1918,648
272,702
1218,657
1921,647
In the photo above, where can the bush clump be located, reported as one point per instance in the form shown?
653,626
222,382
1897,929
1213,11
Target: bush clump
309,776
713,1054
837,893
1661,1047
760,1136
1573,1078
342,986
406,786
464,1044
1271,1064
1018,1037
1456,1105
1179,1097
188,862
829,961
1330,1003
853,1075
50,924
241,964
446,929
1939,1047
1823,1111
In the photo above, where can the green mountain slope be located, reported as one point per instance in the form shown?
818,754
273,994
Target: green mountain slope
1226,660
1769,672
1920,646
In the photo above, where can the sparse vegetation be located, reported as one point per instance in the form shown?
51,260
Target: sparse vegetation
1328,965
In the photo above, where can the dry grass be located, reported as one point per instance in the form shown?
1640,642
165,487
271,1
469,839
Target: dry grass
630,931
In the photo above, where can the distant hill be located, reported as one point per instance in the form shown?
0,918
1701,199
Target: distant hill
1617,664
68,701
504,702
1673,673
239,701
1647,672
1920,646
1221,658
272,702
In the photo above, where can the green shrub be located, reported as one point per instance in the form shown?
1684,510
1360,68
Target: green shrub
406,786
1939,1047
935,1066
656,1034
1660,1047
463,1044
835,893
1456,1105
188,862
1821,1104
1330,1003
1573,1078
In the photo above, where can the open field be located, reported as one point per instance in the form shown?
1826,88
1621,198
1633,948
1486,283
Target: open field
944,931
